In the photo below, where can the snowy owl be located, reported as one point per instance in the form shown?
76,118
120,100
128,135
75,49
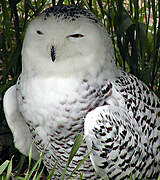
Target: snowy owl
70,84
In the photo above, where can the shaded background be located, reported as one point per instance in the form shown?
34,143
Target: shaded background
134,27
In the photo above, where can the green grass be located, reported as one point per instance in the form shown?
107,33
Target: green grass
36,171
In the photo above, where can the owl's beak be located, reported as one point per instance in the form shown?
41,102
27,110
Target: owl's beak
53,54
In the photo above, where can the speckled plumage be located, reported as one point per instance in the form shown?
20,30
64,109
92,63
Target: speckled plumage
69,84
125,133
69,13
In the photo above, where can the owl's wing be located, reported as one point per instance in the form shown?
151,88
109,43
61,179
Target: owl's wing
21,133
113,142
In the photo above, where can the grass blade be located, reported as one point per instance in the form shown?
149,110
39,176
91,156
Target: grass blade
80,163
4,166
131,176
34,169
30,157
52,171
75,147
9,169
39,175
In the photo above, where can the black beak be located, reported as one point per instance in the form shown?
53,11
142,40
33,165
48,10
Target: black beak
53,55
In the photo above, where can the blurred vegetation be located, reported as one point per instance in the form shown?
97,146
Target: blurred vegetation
134,27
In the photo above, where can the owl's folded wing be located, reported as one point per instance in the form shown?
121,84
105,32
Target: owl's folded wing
115,145
21,133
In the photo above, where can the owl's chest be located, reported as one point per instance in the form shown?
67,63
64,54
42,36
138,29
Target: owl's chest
54,114
51,104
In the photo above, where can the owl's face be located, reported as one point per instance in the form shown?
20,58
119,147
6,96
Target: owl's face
62,44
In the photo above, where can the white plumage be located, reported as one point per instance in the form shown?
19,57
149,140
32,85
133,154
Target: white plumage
69,84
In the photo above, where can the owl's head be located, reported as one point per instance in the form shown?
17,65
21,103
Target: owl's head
64,40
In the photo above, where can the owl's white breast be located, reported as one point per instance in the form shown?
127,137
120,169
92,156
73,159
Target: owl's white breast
52,102
54,109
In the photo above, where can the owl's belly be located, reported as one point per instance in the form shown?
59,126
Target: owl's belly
54,120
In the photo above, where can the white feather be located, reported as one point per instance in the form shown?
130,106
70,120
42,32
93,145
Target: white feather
21,133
